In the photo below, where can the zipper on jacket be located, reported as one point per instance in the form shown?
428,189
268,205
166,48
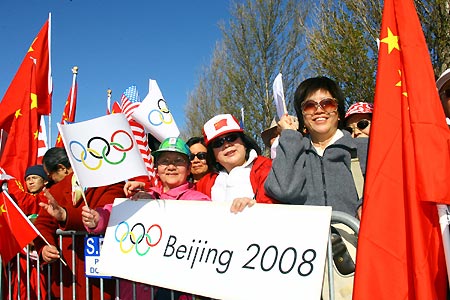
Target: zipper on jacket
324,187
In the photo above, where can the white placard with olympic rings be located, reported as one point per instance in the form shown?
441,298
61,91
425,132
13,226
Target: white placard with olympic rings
102,151
200,247
154,114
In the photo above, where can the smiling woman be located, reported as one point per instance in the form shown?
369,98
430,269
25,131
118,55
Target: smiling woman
314,169
239,170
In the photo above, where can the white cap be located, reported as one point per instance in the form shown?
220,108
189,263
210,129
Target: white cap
442,80
219,125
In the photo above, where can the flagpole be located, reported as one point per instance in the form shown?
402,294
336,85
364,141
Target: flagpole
50,81
444,216
72,93
108,101
6,193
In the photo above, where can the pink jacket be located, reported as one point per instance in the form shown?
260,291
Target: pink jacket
183,192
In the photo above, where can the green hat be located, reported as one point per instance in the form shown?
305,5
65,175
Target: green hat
172,144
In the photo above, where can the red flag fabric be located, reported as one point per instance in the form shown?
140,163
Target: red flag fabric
38,54
16,231
116,108
69,108
20,150
400,252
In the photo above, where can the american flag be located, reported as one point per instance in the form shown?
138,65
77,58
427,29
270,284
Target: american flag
130,101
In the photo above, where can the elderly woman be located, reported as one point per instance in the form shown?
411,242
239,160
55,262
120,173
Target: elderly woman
173,168
315,169
239,169
358,119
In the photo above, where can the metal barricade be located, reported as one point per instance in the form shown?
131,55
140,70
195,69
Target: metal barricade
7,281
353,224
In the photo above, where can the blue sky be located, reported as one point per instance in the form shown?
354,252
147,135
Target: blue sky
115,44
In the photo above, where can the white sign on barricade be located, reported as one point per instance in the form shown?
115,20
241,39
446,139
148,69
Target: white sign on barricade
268,251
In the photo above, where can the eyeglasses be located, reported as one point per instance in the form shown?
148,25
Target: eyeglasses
217,143
361,125
199,155
177,162
309,107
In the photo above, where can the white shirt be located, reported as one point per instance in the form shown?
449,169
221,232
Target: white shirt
236,184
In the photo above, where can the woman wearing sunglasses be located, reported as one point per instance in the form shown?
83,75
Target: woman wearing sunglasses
358,119
239,170
315,169
199,163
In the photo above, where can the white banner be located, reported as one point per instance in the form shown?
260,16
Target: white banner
269,251
154,114
102,151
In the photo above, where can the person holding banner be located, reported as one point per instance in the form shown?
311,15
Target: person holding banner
63,211
239,170
315,169
172,160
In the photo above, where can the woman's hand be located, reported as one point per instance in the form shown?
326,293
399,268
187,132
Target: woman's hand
50,253
90,217
239,204
286,122
53,208
132,187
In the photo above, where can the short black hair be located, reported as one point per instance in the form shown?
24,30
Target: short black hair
55,156
310,86
195,140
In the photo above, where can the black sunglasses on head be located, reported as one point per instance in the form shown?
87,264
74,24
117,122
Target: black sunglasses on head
199,155
217,143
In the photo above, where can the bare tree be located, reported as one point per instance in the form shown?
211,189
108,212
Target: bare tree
342,41
263,38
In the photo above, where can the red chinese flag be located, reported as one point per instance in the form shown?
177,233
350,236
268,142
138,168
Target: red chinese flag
21,146
16,231
38,54
69,110
400,252
116,108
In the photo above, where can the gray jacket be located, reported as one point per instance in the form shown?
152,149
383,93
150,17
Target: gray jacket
300,176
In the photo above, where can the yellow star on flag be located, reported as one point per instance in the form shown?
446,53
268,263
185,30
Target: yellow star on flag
34,102
391,40
18,113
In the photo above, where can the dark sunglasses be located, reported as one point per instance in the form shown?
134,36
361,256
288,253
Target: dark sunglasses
362,124
200,155
217,143
328,105
445,92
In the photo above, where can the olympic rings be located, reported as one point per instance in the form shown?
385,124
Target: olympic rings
163,112
136,240
80,153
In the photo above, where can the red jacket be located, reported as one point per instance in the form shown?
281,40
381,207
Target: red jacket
258,174
28,203
47,225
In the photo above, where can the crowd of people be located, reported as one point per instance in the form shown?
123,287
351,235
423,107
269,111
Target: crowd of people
310,163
